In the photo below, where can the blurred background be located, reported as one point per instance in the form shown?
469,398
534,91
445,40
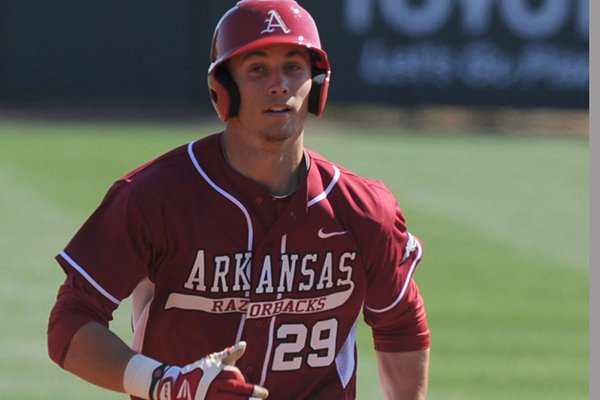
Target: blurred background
474,112
399,53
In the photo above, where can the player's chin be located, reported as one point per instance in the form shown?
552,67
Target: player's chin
281,132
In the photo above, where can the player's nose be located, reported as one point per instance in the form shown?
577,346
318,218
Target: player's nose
279,83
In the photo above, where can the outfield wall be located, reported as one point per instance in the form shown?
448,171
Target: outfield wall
525,53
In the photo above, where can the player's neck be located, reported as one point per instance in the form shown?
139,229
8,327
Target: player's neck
278,167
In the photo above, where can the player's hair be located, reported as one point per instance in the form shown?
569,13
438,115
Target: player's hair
252,24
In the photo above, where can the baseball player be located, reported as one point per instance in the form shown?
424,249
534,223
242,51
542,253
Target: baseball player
248,257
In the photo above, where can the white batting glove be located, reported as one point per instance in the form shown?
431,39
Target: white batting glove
213,377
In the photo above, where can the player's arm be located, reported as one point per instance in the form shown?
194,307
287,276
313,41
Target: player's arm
80,341
399,322
99,356
404,375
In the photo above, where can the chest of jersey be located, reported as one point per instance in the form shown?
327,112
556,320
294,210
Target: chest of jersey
285,277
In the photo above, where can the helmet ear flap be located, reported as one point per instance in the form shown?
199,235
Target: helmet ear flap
224,93
320,85
316,97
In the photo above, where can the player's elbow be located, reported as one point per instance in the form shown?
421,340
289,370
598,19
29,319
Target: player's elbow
67,316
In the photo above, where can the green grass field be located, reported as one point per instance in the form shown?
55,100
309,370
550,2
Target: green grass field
504,220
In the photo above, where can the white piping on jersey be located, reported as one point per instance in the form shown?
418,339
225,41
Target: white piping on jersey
141,300
345,360
406,283
324,194
223,193
238,337
88,278
263,376
238,204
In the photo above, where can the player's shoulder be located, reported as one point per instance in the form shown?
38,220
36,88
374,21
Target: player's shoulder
156,165
171,165
167,173
371,197
348,179
365,205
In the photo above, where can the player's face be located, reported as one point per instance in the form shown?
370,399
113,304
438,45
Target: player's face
274,84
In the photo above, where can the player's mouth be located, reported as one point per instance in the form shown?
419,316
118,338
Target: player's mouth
279,110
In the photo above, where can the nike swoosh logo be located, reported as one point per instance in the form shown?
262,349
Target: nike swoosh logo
326,235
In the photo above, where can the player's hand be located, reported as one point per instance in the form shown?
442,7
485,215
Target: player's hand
213,377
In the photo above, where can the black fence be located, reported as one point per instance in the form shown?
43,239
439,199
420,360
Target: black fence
524,53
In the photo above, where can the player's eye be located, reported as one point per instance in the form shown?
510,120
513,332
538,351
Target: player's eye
257,69
294,67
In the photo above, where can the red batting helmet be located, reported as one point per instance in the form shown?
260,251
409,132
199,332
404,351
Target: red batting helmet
251,24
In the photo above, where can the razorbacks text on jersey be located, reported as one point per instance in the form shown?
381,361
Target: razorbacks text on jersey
211,258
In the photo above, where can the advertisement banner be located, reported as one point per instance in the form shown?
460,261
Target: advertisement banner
467,52
523,53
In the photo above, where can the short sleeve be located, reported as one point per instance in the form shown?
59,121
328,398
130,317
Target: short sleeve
113,249
394,308
104,262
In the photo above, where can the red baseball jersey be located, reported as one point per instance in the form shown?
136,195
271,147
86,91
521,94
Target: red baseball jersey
211,258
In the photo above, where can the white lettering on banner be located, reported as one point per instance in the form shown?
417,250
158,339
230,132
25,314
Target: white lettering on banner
358,16
524,20
422,20
428,63
483,65
565,68
541,22
476,19
479,65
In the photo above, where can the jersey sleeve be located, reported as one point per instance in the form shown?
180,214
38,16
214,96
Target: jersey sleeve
394,308
104,261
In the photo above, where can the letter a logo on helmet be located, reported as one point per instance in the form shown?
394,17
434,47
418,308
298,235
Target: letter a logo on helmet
275,21
252,24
